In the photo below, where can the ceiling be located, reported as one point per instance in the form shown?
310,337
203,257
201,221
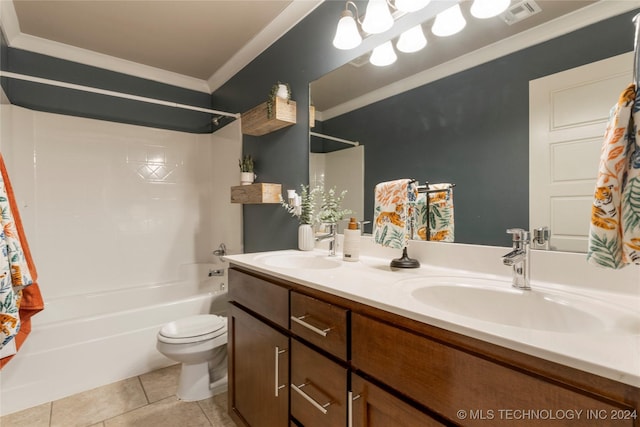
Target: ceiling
200,44
193,39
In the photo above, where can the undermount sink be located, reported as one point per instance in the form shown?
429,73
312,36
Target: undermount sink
301,260
497,302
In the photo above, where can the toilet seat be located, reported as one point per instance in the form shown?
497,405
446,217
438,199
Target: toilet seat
193,329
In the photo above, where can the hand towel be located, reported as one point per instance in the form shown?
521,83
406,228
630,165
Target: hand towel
606,229
439,217
28,300
631,194
391,216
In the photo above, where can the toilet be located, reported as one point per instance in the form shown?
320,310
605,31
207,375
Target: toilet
200,344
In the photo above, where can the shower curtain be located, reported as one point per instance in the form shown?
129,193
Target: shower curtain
20,296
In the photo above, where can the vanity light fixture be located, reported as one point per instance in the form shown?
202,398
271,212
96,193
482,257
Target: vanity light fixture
483,9
410,5
383,55
449,22
377,18
412,40
347,34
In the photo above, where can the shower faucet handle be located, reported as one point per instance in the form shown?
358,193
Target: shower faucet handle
221,251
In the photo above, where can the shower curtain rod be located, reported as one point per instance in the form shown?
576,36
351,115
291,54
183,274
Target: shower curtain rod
115,94
333,138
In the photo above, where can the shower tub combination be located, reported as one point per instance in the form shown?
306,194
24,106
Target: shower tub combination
81,342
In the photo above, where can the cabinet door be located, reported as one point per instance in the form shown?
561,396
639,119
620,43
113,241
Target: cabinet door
258,372
319,388
374,407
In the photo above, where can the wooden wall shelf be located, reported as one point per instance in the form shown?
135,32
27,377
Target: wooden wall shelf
256,123
256,193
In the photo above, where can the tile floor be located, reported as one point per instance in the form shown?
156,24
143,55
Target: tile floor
144,401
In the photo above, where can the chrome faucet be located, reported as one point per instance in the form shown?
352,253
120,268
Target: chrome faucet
331,237
518,258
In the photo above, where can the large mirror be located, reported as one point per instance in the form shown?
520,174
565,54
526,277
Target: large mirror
457,112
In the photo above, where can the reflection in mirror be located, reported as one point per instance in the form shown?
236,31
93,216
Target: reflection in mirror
336,162
466,120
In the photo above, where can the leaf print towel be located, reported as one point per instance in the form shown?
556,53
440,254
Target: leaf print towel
439,216
391,215
614,234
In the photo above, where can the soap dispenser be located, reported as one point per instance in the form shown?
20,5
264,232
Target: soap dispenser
351,251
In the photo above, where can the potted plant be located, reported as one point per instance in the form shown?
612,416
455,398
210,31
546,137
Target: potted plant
303,207
280,90
246,170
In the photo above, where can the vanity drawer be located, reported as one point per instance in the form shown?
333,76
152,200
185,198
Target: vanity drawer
260,296
318,388
448,381
320,323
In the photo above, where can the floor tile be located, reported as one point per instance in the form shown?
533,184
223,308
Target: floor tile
215,408
38,416
161,383
169,412
96,405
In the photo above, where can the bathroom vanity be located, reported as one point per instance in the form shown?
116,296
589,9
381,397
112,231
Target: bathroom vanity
305,353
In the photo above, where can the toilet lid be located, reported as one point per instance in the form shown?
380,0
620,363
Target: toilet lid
202,326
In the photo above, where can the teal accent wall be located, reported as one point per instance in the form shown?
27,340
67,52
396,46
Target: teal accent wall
58,100
469,123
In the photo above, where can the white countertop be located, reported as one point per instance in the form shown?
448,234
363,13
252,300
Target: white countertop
613,354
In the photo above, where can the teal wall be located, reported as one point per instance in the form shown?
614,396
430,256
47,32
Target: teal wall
304,54
485,111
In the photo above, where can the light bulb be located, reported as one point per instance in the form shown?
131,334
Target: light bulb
449,22
383,55
412,40
347,34
489,8
378,18
411,5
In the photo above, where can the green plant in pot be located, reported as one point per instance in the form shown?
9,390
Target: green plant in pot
282,90
247,174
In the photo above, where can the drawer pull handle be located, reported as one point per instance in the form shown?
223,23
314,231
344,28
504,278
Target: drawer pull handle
278,387
350,399
300,321
320,407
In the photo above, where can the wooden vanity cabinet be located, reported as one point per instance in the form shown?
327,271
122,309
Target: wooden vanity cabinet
258,371
371,406
318,388
392,370
322,324
258,351
471,389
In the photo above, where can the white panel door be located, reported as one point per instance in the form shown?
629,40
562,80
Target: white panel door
568,114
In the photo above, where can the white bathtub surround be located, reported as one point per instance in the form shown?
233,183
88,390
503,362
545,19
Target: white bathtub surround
610,352
121,221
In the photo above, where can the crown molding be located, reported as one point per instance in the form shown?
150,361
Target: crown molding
292,15
106,62
563,25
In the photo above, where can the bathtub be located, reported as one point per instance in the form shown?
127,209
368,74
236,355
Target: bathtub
85,341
